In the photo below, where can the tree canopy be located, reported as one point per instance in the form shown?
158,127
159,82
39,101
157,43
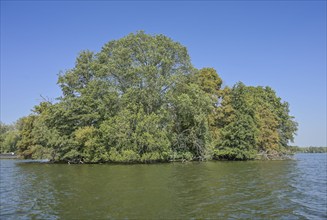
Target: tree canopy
140,100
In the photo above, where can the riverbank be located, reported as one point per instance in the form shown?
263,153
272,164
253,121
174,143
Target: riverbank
262,156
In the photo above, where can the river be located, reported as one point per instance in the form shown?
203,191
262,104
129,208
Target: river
294,189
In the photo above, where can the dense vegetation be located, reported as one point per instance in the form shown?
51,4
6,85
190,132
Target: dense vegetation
140,100
9,137
296,149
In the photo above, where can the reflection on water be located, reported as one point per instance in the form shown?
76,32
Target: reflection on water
255,189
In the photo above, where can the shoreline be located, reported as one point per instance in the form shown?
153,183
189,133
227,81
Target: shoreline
48,161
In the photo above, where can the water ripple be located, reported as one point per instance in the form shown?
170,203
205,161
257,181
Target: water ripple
210,190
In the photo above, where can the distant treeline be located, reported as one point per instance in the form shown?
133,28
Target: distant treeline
296,149
140,99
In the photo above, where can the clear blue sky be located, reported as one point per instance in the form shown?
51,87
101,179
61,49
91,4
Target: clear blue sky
275,43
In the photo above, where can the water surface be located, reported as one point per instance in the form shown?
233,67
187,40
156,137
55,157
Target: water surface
254,189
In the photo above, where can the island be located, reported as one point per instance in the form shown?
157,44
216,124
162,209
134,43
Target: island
140,100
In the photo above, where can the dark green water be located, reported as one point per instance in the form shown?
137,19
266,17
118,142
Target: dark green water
213,190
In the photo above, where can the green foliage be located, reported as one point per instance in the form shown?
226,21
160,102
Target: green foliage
10,141
190,107
88,142
140,100
27,141
296,149
238,140
255,111
9,137
209,81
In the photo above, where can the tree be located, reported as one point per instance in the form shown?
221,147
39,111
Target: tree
27,141
238,133
263,113
140,100
9,136
120,98
238,140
